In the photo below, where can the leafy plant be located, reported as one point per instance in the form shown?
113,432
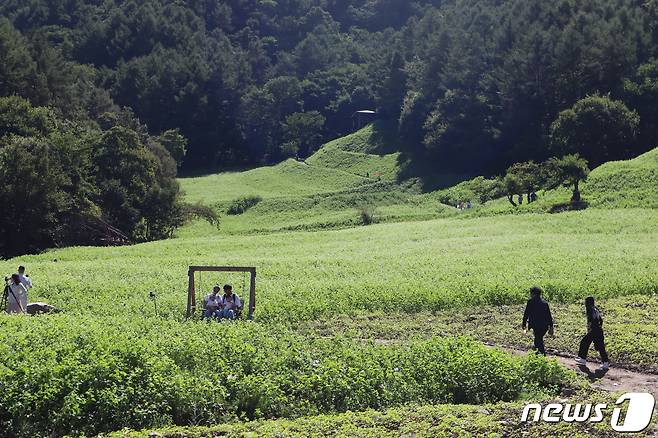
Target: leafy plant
241,205
366,215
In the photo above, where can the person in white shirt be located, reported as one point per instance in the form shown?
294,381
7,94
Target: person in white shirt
25,280
231,303
212,304
17,299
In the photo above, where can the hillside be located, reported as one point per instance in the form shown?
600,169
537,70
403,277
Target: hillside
625,184
372,151
616,184
362,172
349,175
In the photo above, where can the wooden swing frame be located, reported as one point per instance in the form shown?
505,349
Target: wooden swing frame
191,291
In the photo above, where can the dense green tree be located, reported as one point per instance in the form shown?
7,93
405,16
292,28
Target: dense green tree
512,186
18,117
527,177
569,171
641,93
393,89
126,172
175,144
18,71
304,132
598,128
45,190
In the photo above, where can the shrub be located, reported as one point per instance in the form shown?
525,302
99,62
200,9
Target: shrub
200,211
478,189
243,204
79,375
366,215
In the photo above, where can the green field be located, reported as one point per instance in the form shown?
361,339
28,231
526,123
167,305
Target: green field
328,286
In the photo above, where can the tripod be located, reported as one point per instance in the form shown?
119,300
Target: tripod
5,298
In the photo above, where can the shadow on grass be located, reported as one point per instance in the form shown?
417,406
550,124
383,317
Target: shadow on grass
568,206
593,375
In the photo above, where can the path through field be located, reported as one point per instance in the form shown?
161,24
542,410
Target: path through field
614,380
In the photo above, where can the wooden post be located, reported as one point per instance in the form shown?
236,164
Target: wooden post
252,295
191,295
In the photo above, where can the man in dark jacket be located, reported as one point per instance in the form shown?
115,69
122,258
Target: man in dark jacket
537,316
594,334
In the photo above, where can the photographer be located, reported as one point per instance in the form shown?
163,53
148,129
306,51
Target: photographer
25,279
16,295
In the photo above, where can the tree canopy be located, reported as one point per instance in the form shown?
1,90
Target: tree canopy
473,85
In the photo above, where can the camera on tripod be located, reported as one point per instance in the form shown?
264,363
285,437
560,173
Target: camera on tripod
5,295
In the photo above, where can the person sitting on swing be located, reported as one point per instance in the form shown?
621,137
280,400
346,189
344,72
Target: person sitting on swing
213,303
231,303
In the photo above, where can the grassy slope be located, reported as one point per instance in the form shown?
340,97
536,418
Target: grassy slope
290,178
327,191
368,152
625,184
618,184
340,165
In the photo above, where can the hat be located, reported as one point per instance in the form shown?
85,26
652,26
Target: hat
216,286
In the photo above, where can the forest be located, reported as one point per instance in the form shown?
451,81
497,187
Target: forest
192,87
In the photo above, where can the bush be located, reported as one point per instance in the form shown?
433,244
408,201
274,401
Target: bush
82,375
479,189
243,204
366,215
200,211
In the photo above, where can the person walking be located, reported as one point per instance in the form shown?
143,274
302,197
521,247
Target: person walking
17,296
537,316
594,334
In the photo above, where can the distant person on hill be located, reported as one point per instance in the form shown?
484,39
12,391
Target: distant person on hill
520,198
533,197
594,334
17,296
231,303
25,279
212,303
537,316
469,205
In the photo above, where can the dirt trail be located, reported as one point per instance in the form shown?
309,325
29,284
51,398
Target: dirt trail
614,380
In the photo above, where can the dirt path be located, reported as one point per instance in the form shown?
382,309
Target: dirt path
614,380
